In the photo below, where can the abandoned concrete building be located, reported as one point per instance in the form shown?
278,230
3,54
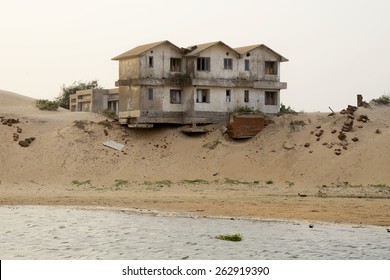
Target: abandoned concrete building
95,100
163,83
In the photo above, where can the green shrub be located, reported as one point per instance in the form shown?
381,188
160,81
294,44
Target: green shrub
109,114
269,182
44,104
196,181
230,237
286,110
384,99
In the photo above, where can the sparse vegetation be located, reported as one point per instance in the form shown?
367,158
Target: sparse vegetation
109,114
105,123
269,182
235,182
47,105
286,110
162,182
120,182
230,237
79,183
246,109
384,99
196,181
63,98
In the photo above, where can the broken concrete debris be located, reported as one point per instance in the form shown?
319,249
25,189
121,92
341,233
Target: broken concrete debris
114,145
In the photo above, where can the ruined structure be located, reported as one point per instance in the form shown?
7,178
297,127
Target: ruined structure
94,100
162,83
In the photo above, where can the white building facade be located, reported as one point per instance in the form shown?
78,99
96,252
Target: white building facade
162,83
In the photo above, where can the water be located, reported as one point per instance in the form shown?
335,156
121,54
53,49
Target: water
40,232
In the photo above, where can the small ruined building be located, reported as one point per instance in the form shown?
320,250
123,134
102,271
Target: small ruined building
94,100
162,83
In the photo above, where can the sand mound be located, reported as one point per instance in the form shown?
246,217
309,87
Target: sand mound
68,147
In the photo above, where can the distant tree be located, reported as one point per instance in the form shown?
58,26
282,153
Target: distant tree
63,98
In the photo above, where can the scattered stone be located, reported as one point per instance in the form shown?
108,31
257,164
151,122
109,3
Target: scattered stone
355,139
105,132
307,145
378,131
310,151
23,143
362,118
360,126
343,112
28,140
342,136
311,132
325,143
331,114
318,126
329,146
351,109
347,125
319,133
18,130
311,226
345,147
333,131
318,139
337,152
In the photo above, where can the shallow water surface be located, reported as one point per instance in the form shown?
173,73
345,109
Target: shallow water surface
43,232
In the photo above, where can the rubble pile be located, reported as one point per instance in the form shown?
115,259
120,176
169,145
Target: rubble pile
341,143
16,135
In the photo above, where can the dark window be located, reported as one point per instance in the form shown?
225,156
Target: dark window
175,96
271,68
175,64
151,62
150,93
246,95
203,64
228,63
203,96
228,96
246,64
270,98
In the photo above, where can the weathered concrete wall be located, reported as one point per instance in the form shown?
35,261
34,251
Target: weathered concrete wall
129,68
257,58
162,55
217,53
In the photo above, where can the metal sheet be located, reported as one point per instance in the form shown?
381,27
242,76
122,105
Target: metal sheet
114,145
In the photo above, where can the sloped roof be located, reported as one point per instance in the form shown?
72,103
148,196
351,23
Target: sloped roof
243,50
195,50
142,49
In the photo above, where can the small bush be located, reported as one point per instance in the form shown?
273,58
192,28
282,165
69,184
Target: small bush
230,237
121,182
269,182
286,110
109,114
384,99
47,105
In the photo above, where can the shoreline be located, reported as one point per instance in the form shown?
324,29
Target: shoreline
240,202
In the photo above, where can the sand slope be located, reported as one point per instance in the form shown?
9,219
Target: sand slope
276,163
63,151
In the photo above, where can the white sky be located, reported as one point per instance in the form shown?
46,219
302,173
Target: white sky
336,48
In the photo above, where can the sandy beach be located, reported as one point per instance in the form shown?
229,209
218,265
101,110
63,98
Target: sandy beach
285,172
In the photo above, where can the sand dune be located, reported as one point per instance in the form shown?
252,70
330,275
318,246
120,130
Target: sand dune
68,147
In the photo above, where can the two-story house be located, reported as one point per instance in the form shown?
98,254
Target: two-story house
162,83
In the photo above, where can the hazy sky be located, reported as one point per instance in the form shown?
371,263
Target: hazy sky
336,48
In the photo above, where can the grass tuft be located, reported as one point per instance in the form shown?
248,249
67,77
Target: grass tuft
230,237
